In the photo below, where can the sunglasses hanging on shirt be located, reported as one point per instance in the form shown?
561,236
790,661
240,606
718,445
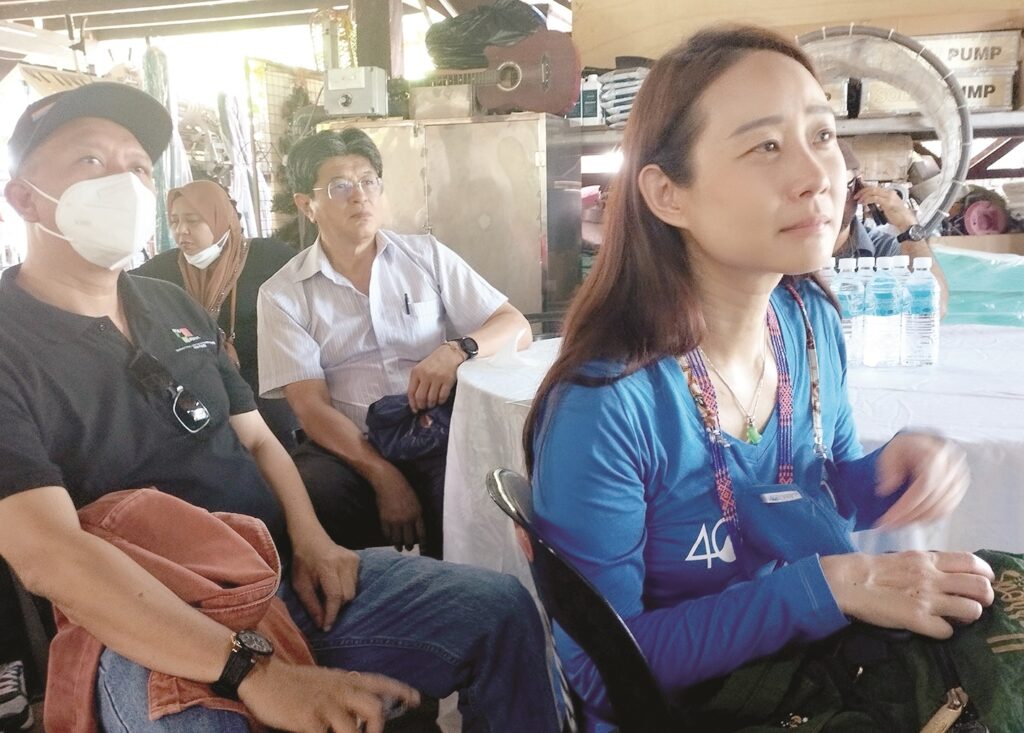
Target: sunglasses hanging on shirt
188,410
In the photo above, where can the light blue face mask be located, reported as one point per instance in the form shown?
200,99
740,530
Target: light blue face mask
206,257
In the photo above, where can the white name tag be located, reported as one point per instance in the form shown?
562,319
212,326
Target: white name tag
781,497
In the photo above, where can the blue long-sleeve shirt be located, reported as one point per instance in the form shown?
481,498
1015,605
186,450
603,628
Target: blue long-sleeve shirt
623,486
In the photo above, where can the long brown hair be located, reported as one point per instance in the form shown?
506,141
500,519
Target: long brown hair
639,302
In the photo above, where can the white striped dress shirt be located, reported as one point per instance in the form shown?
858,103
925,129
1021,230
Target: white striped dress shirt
314,324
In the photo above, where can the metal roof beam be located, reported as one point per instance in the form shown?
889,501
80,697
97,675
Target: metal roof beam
59,8
23,40
228,11
210,26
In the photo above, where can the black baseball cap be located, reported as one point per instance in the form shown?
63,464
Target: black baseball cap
129,107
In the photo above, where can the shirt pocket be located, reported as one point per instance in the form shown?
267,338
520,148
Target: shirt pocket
426,311
422,329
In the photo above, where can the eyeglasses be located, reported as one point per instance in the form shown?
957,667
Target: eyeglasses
855,184
187,409
340,189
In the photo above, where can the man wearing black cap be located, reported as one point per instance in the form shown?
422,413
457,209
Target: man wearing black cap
110,381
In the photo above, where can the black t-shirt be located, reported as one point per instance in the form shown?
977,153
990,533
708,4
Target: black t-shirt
72,414
266,257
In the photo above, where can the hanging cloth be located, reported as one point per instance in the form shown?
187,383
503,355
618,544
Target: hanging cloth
172,169
236,133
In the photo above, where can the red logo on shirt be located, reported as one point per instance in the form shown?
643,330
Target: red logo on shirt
185,335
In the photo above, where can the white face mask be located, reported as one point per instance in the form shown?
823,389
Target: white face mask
105,220
206,257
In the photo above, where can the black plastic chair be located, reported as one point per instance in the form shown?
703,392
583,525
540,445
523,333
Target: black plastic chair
33,618
585,615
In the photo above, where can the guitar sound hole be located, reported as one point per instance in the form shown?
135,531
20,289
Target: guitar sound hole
509,76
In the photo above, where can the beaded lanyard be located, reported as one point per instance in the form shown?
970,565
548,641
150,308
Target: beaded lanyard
703,393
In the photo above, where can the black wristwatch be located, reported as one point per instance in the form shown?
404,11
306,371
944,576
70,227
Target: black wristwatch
468,345
246,648
915,232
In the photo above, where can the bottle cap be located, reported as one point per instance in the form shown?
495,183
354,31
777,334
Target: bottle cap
883,263
847,264
922,263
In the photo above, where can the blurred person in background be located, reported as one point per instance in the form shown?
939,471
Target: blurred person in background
856,240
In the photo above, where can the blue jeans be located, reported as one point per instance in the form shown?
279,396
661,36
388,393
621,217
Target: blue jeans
436,626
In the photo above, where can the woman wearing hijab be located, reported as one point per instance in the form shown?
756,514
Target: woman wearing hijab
223,271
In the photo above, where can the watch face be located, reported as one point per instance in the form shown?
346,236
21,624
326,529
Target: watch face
255,643
469,345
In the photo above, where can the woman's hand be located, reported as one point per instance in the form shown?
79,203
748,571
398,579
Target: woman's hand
924,592
935,470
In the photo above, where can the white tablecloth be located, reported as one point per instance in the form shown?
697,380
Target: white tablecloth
491,404
975,395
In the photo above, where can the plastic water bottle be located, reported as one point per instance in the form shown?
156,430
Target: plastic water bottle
865,270
883,317
827,273
901,268
901,271
921,322
849,292
865,273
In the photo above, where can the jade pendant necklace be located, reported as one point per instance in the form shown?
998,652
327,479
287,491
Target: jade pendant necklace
753,436
698,381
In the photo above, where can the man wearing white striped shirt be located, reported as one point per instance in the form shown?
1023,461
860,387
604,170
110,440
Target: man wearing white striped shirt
361,314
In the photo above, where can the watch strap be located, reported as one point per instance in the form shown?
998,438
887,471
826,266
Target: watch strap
915,233
240,663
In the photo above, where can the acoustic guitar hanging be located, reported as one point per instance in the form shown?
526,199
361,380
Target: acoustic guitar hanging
540,73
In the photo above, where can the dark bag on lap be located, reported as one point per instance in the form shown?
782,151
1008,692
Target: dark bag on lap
400,434
865,679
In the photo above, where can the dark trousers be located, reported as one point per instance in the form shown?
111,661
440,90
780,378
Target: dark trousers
16,640
13,643
280,419
346,504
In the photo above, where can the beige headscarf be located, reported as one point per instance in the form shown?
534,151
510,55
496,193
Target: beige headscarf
212,286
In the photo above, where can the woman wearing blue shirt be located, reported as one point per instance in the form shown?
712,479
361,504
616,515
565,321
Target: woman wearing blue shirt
693,450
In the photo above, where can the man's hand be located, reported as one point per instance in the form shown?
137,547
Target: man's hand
935,469
401,517
301,698
431,380
324,576
889,201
